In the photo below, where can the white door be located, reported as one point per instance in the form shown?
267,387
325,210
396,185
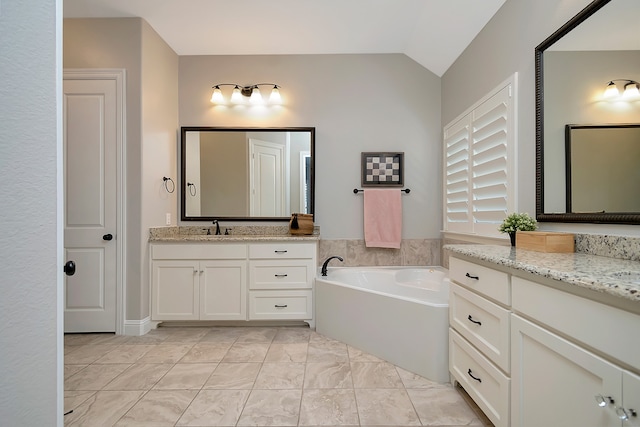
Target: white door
90,143
267,179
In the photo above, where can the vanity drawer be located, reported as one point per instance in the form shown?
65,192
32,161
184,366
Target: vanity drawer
600,326
283,305
291,274
285,250
488,387
483,323
486,281
199,251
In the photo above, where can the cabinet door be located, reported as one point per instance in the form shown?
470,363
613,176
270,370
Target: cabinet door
223,291
174,290
555,382
630,399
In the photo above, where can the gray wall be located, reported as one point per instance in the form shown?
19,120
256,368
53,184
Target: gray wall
506,45
151,130
31,226
357,103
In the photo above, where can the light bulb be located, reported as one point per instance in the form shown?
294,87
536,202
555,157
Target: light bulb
216,96
611,91
255,98
631,90
236,96
275,97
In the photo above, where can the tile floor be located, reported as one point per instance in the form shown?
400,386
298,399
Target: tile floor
247,376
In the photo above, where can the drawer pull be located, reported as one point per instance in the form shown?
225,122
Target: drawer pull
280,251
280,306
472,277
474,321
281,275
471,375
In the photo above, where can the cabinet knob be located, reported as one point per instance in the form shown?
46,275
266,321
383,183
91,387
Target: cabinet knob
472,277
280,251
604,400
625,414
281,275
281,306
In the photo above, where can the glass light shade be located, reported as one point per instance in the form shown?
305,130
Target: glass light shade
631,90
216,96
275,97
611,91
255,98
236,96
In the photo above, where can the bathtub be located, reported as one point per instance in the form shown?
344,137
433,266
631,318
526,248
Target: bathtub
399,314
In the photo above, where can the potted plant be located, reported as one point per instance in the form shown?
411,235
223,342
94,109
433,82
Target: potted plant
517,222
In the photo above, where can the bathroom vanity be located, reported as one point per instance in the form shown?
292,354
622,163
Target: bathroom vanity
546,339
235,277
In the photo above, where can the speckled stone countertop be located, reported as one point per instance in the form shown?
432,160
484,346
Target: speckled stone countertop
240,233
617,277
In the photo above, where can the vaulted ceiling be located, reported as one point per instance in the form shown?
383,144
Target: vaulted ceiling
431,32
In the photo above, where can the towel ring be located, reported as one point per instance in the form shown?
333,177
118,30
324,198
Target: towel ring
166,184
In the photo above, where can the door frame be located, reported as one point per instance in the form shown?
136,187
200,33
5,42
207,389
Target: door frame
119,76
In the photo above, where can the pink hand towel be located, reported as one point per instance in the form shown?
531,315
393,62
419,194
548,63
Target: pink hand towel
382,218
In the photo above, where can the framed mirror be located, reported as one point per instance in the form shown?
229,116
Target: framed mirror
572,69
246,174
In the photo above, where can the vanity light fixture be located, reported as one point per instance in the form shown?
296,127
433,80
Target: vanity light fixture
631,89
241,92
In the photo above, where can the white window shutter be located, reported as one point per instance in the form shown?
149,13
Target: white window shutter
482,141
457,207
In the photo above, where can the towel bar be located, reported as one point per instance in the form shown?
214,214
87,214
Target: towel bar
356,191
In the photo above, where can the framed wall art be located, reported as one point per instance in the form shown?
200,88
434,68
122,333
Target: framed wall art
382,169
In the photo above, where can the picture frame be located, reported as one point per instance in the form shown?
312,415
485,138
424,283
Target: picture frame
382,169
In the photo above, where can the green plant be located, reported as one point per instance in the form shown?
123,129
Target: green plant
518,222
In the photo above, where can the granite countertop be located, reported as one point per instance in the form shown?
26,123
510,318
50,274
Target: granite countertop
240,233
232,238
617,277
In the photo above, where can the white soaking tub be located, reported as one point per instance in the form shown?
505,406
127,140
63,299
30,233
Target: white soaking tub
399,314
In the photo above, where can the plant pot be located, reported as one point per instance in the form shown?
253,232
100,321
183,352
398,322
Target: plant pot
512,236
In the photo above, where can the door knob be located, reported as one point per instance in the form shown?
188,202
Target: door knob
69,268
107,237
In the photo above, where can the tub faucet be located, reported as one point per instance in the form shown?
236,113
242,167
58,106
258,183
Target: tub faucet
326,262
217,224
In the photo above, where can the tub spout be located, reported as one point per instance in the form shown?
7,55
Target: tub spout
326,262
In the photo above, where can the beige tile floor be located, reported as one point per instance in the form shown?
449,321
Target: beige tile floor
247,376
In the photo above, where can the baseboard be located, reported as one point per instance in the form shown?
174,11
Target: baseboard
138,327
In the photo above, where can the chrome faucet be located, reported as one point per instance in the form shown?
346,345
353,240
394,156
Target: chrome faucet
326,262
217,224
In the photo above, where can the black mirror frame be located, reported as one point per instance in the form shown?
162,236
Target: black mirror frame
597,218
185,129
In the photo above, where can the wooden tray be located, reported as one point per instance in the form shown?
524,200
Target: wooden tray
544,241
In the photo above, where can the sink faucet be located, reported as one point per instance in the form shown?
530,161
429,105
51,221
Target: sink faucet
217,224
326,262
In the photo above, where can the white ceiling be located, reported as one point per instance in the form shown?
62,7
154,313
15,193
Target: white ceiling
431,32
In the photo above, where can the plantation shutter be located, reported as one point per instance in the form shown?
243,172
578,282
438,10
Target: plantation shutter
479,158
457,194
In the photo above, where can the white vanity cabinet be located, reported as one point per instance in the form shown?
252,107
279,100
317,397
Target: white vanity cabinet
198,282
531,354
479,336
233,281
569,359
281,281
